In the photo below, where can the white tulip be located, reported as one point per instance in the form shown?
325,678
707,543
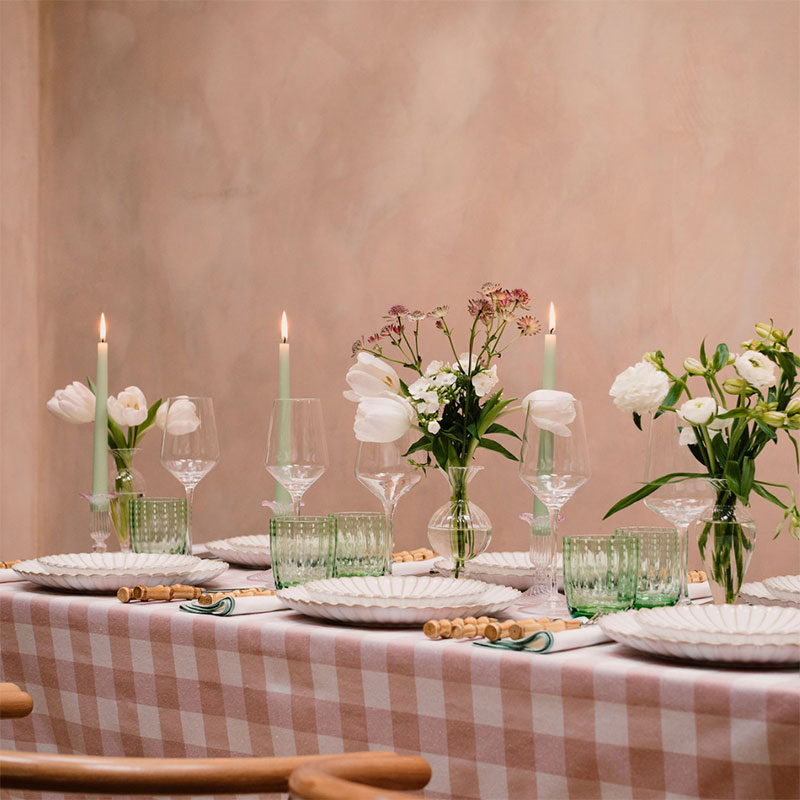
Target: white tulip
371,377
383,419
129,407
640,388
551,410
74,403
485,381
698,411
756,369
182,417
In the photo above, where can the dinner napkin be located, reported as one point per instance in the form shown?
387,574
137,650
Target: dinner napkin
230,606
8,575
413,567
699,590
547,642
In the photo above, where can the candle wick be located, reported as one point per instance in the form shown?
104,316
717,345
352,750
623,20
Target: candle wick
285,339
552,330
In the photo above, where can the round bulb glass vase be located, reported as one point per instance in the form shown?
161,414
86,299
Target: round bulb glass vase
459,529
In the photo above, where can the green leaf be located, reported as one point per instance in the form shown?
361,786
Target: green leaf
673,395
496,427
423,443
703,359
490,444
759,489
720,357
115,432
637,420
748,476
733,475
90,385
649,488
796,451
770,432
720,448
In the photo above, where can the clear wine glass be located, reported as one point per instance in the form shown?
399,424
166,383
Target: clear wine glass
554,467
297,453
682,502
189,446
388,474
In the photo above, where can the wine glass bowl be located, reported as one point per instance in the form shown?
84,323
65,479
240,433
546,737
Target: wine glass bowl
297,453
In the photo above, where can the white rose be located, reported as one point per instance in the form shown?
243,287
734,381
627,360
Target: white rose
428,403
74,403
370,377
182,417
434,427
698,411
419,387
129,407
756,369
383,419
485,381
640,388
433,368
687,435
551,410
444,379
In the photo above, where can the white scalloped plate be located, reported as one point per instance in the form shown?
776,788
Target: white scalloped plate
784,587
756,594
624,627
495,599
205,570
723,624
408,591
248,551
117,563
510,568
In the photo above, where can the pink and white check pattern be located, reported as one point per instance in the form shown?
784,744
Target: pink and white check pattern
602,722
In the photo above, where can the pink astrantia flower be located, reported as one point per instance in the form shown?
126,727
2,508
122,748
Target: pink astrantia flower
490,288
358,344
416,316
528,326
480,307
396,311
439,312
522,297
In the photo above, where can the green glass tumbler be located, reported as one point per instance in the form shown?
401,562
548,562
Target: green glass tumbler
659,565
158,525
302,549
360,544
600,573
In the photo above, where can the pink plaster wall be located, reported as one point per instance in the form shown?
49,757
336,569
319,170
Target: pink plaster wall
205,165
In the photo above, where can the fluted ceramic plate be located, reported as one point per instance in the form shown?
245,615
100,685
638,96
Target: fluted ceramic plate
756,594
408,591
110,580
494,600
119,563
723,624
625,627
512,568
248,551
784,587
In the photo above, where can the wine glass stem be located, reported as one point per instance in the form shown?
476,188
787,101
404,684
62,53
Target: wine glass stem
684,559
296,504
388,510
553,568
189,498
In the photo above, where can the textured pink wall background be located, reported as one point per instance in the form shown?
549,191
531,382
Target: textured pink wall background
202,166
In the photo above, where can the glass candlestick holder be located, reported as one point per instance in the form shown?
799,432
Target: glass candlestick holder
100,527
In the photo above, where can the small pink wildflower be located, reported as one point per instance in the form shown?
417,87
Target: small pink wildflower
439,312
358,344
522,297
416,316
490,288
528,326
396,311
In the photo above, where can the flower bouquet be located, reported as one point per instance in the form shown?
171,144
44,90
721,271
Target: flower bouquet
454,405
725,430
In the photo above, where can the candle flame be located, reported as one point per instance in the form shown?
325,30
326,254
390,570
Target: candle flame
102,327
552,318
284,328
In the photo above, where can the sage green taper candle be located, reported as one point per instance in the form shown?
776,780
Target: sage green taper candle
285,422
548,382
100,463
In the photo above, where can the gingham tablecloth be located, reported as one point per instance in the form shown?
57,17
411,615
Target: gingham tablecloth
602,722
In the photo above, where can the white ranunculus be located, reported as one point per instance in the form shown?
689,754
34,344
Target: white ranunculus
383,419
182,417
485,381
419,387
718,424
433,368
74,403
551,410
640,388
129,407
699,410
687,435
371,377
434,427
428,403
756,369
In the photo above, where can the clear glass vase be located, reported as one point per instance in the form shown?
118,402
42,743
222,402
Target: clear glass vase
725,534
460,529
127,483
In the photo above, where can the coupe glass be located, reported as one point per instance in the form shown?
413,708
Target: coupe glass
388,474
682,502
297,454
189,446
554,467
